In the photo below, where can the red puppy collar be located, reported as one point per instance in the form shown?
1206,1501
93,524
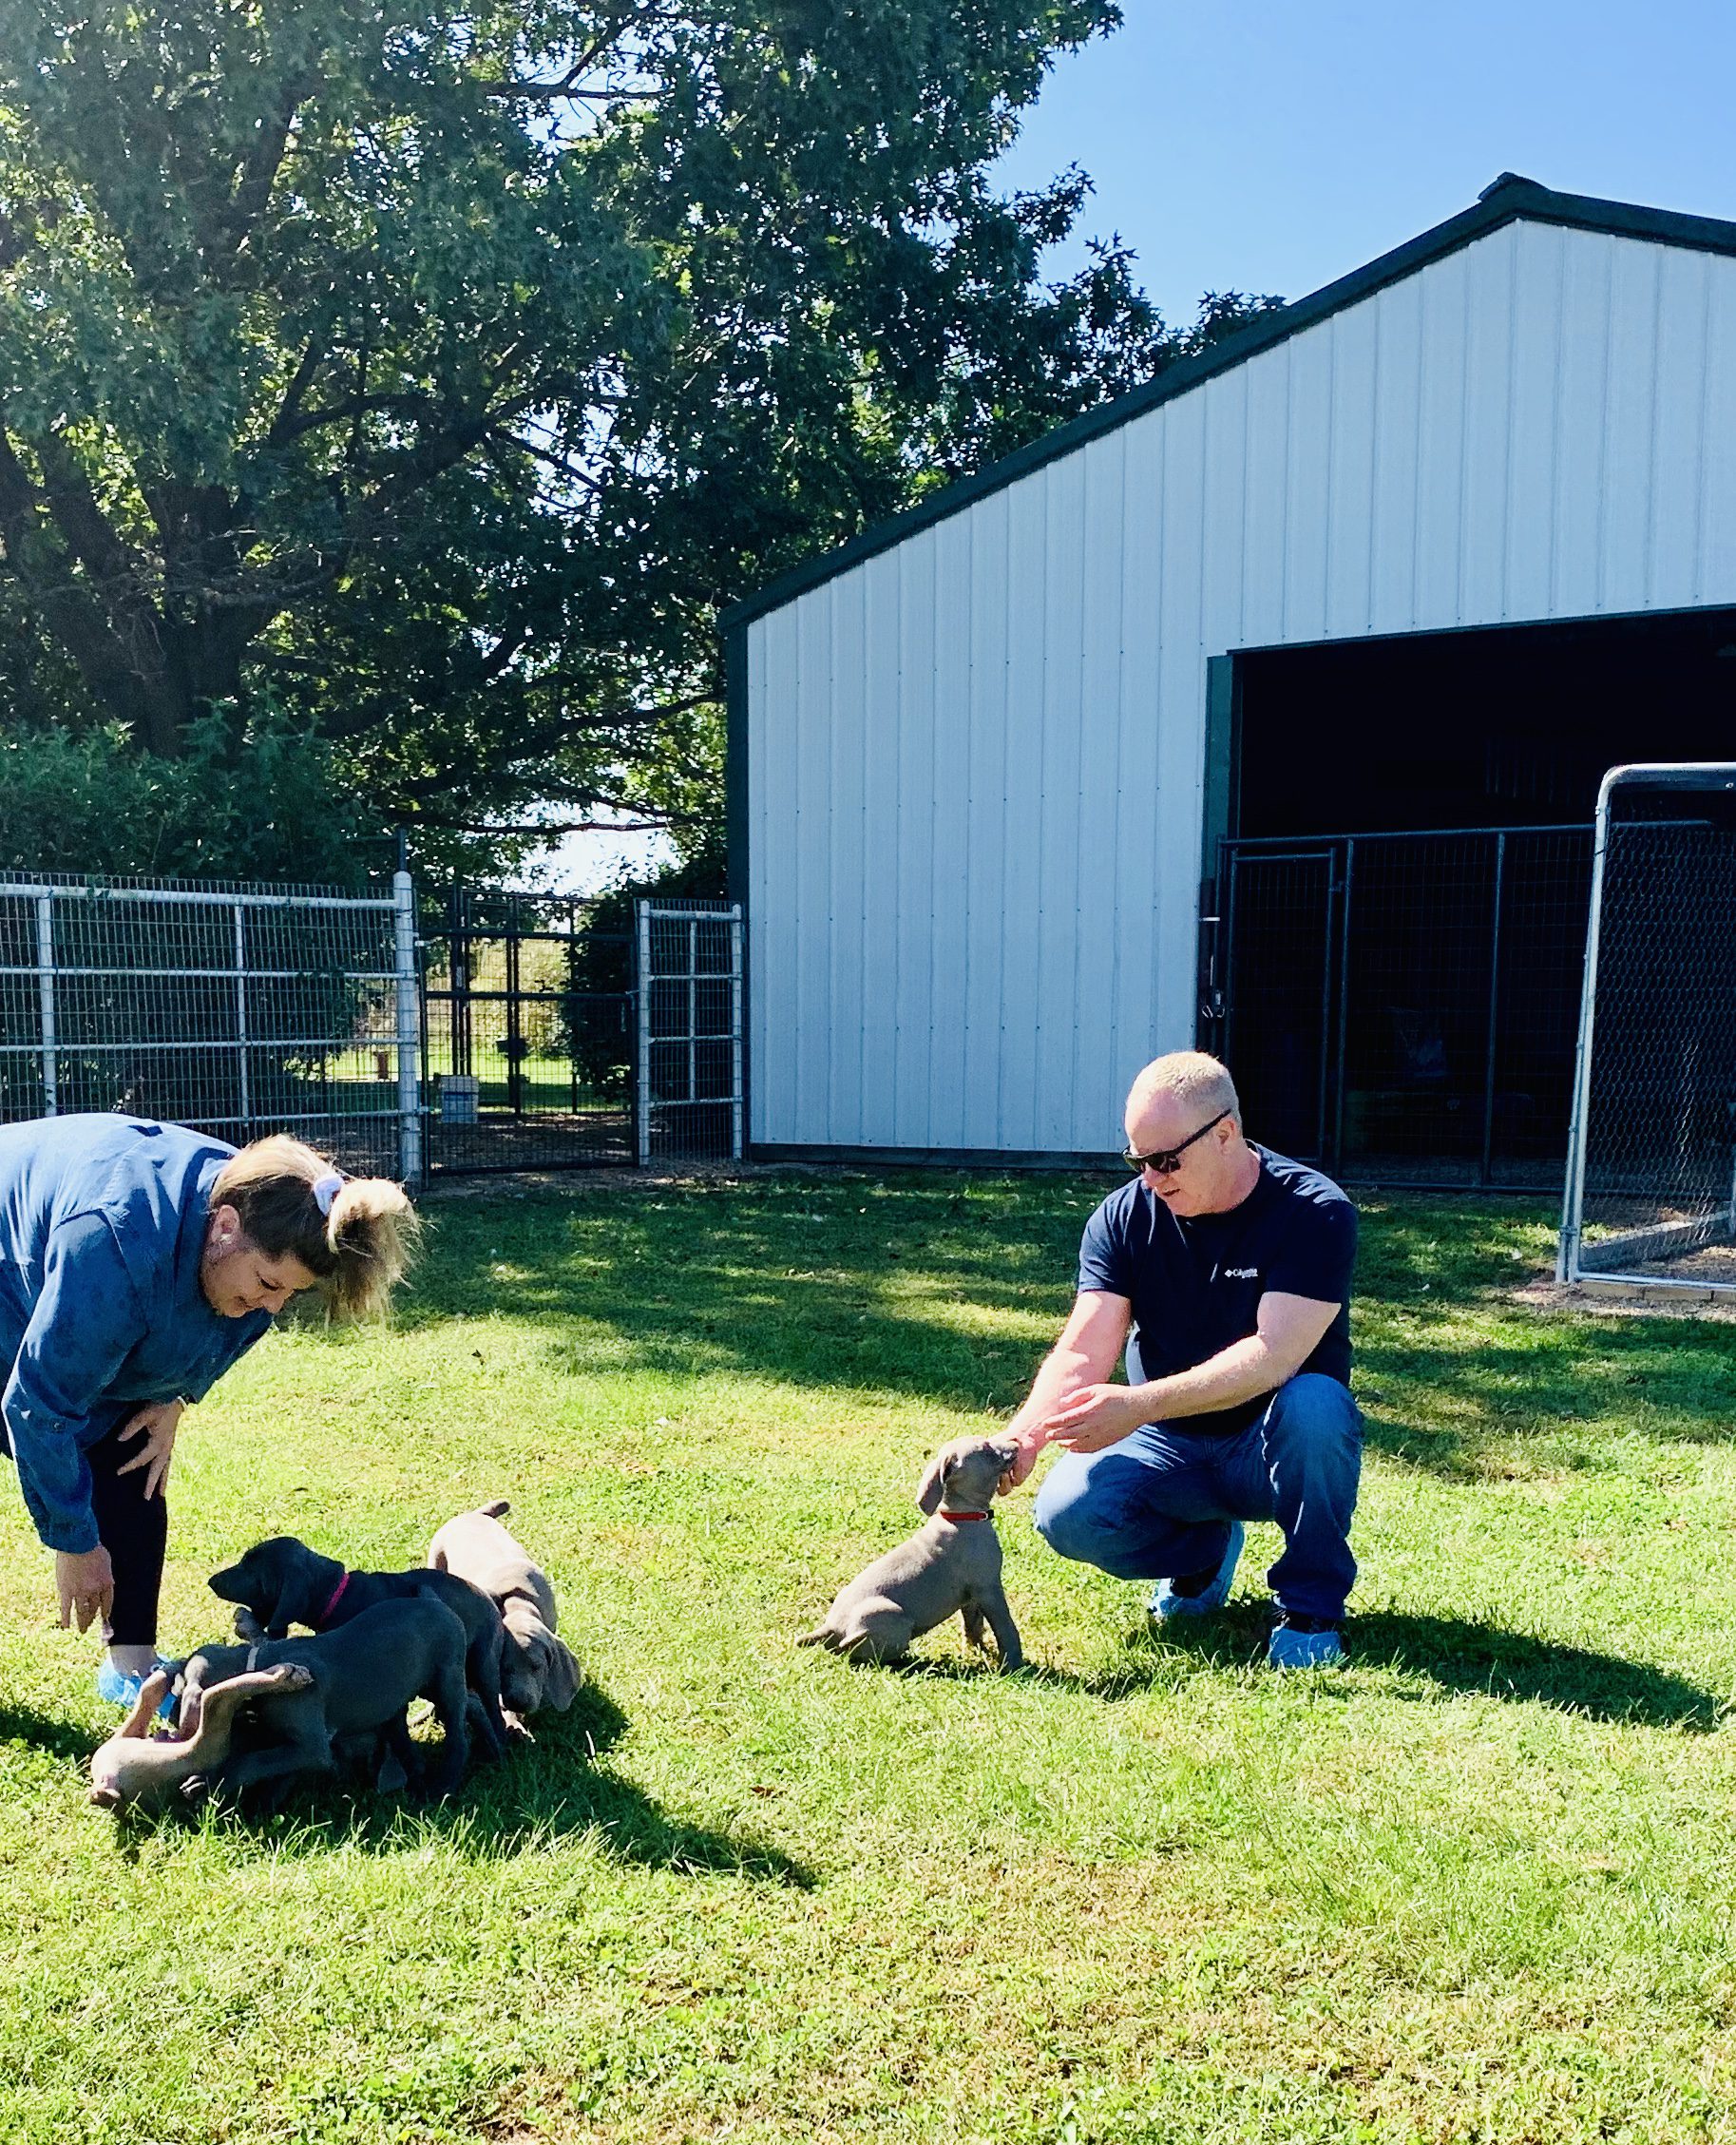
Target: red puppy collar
945,1514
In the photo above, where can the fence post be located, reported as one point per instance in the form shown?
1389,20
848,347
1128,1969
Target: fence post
1486,1173
642,918
409,1084
1572,1197
45,990
737,1130
240,1010
1344,1003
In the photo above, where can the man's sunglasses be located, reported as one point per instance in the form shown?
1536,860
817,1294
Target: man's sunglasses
1169,1161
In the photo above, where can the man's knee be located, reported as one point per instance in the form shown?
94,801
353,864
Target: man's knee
1066,1515
1313,1414
1082,1512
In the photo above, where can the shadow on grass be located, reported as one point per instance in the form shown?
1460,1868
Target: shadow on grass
1452,1653
851,1282
542,1791
60,1738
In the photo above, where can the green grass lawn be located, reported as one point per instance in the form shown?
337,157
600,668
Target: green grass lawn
1480,1886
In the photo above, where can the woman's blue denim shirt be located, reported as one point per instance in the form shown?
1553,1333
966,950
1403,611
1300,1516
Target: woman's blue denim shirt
101,1227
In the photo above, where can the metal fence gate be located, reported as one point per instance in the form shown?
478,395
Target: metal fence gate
690,1031
1403,1008
1650,1198
562,1033
527,1021
239,1009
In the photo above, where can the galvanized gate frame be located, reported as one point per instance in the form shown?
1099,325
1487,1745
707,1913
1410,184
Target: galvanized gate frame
1569,1267
646,915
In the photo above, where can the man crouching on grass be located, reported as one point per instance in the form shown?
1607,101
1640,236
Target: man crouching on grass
1225,1270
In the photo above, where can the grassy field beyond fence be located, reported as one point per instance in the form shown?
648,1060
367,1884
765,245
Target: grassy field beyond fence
1480,1886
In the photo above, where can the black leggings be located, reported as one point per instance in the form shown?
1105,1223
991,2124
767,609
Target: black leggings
134,1531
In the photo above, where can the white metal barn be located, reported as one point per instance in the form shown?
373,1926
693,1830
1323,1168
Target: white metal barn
1425,552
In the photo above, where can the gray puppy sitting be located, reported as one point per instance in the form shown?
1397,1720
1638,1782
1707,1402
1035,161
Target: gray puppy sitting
950,1566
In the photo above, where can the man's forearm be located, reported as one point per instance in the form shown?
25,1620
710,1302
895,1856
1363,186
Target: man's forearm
1061,1373
1246,1370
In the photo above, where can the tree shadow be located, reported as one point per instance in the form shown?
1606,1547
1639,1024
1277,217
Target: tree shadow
786,1280
1456,1654
868,1283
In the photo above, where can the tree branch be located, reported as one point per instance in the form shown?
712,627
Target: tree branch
283,428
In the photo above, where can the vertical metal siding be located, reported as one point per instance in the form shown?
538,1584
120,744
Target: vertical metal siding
838,1081
1392,507
974,760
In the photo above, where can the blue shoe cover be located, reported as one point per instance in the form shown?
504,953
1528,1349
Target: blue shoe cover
117,1690
1288,1648
1166,1604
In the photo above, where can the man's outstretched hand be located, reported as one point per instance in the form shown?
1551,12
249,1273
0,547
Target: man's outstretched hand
1095,1416
1023,1461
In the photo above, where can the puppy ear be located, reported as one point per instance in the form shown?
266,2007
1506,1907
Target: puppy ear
560,1685
929,1490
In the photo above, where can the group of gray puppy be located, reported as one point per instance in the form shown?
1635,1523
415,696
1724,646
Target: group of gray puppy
473,1633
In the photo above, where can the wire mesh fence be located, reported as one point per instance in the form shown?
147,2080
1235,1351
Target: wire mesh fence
1651,1182
690,1031
1402,1008
556,1038
238,1009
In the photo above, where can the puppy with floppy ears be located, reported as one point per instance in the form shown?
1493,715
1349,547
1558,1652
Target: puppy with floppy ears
537,1668
283,1581
949,1567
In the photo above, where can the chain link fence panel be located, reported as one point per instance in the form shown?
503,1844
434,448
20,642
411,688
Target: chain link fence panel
1651,1188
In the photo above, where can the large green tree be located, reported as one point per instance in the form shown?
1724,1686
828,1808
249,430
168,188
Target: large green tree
431,373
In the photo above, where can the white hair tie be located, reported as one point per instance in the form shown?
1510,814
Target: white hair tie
326,1189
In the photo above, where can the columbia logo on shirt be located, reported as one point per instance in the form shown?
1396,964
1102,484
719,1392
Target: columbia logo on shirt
1241,1273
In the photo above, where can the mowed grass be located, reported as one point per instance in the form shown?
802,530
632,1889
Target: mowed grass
1480,1886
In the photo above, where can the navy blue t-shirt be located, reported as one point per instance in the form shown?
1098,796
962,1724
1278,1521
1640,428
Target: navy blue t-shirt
1195,1284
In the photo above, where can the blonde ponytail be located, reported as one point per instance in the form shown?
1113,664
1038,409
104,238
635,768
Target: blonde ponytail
371,1234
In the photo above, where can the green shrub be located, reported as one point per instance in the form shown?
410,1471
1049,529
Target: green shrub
267,807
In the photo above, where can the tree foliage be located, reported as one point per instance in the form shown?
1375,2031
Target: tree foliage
430,375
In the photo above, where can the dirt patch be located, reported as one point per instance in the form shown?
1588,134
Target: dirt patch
1602,1301
611,1178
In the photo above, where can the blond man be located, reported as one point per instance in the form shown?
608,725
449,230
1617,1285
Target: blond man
1224,1270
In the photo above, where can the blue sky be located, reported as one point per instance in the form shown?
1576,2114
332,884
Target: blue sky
1274,145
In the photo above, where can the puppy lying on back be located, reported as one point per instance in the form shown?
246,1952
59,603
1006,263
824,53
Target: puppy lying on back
949,1567
358,1679
283,1581
537,1668
134,1769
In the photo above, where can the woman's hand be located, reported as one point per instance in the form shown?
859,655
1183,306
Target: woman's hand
86,1580
157,1424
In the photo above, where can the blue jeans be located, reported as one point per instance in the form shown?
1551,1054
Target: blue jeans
1159,1504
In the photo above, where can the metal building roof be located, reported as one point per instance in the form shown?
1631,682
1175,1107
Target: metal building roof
1507,199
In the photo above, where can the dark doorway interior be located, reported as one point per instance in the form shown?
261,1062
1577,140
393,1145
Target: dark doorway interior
1399,957
1505,728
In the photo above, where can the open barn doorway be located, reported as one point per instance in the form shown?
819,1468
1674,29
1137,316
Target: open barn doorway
1397,864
